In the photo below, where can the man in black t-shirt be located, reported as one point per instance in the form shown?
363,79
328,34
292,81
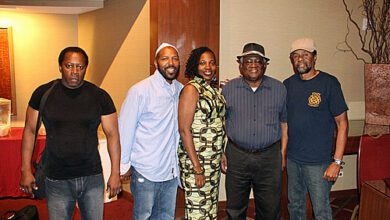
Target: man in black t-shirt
73,111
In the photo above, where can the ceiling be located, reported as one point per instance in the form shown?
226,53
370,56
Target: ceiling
52,6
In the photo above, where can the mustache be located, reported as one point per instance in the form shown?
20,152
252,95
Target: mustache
170,67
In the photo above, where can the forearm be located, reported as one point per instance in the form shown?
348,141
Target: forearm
28,139
341,142
110,128
188,142
284,138
342,136
114,151
27,150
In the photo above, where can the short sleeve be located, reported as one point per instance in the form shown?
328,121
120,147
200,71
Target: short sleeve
36,97
107,103
337,104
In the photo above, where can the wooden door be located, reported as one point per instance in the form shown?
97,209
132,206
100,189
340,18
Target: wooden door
185,24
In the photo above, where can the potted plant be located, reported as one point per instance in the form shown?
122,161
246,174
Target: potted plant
374,37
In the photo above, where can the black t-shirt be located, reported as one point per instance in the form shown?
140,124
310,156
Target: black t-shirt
71,118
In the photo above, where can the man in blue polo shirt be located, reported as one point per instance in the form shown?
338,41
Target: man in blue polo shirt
315,106
256,127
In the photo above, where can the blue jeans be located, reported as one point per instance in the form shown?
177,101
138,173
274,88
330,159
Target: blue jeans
87,191
153,200
308,178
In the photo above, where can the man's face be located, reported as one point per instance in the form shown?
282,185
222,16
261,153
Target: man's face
168,64
73,70
303,61
252,67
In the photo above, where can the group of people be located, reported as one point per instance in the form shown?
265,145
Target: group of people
170,135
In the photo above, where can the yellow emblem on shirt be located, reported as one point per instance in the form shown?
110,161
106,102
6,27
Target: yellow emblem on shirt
314,99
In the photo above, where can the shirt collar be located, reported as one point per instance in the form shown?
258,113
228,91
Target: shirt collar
265,83
161,80
172,88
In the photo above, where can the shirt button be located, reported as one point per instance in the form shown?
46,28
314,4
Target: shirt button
254,134
254,119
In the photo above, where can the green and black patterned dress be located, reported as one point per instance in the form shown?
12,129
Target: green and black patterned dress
209,138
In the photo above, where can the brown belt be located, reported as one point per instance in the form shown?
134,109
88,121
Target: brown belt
252,151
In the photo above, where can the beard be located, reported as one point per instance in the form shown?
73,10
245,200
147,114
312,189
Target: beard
303,69
166,74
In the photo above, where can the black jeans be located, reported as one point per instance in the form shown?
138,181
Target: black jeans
260,171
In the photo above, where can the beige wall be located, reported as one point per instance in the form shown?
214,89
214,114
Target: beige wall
276,23
37,41
117,41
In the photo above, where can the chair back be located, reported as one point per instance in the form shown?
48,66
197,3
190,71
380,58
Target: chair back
373,158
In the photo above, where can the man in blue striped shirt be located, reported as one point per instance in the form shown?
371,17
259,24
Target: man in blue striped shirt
149,137
256,128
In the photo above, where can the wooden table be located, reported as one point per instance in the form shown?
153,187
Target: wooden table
10,162
375,200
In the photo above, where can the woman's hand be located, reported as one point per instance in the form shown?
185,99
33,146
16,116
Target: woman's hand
224,163
200,180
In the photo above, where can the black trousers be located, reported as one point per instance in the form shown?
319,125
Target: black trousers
260,171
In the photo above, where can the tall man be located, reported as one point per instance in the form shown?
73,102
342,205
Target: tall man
148,126
316,107
72,113
255,123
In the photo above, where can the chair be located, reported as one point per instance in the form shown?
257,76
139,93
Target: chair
373,161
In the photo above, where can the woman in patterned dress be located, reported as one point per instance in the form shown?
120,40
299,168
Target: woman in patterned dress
201,126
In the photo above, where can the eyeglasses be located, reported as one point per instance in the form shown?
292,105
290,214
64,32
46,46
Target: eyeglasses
70,66
255,61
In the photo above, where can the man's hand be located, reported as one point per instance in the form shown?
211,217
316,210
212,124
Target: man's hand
224,163
114,186
332,172
127,175
27,182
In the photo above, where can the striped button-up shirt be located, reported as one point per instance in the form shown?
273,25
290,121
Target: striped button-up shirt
253,117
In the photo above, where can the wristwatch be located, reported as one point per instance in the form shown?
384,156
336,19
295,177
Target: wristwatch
338,162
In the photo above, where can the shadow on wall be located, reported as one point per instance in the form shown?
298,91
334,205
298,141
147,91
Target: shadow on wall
102,33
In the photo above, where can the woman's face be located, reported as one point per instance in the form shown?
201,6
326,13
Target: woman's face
207,66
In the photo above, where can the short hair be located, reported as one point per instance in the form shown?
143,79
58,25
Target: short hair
193,61
61,57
